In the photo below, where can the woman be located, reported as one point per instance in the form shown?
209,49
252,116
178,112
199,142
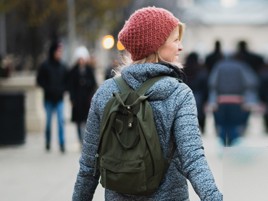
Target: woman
82,85
152,36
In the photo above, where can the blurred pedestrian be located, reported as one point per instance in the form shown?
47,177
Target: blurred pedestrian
215,56
254,60
233,94
2,70
82,85
6,66
52,77
197,80
263,93
154,52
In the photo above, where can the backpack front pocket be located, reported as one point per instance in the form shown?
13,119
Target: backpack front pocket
123,176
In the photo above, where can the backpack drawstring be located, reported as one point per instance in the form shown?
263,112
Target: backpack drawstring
137,101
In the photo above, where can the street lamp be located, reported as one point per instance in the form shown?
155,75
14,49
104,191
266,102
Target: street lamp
108,42
120,46
71,28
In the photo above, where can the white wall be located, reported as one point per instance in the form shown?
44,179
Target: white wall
202,38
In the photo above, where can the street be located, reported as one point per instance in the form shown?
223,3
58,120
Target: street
28,172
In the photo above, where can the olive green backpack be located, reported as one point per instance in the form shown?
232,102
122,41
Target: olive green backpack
129,155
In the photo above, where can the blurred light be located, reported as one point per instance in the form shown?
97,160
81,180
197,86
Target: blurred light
108,42
228,3
120,46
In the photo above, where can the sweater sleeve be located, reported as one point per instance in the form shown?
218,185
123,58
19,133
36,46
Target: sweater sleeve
86,183
190,148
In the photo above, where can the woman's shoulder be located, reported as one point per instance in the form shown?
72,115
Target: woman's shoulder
168,87
181,89
107,88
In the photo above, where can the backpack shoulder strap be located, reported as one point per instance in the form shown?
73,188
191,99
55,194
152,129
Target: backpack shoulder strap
147,84
122,85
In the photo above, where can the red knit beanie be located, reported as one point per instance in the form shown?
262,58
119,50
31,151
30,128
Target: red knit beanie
146,30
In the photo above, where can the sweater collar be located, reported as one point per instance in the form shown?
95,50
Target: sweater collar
136,74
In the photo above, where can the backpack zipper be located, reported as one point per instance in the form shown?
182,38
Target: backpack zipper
96,164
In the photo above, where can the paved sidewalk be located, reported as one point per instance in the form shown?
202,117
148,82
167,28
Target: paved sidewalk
29,173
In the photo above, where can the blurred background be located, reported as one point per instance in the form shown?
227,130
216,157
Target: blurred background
28,26
213,27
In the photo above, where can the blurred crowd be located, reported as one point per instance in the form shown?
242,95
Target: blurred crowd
55,78
231,86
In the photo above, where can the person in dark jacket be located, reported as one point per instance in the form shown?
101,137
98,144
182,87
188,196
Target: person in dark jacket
233,94
214,57
263,93
82,85
154,52
196,79
52,77
255,61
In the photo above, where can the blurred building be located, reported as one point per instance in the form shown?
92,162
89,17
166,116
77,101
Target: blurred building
226,20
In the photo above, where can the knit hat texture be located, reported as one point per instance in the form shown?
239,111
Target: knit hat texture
146,30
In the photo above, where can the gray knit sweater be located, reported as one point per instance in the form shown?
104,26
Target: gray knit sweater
174,112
